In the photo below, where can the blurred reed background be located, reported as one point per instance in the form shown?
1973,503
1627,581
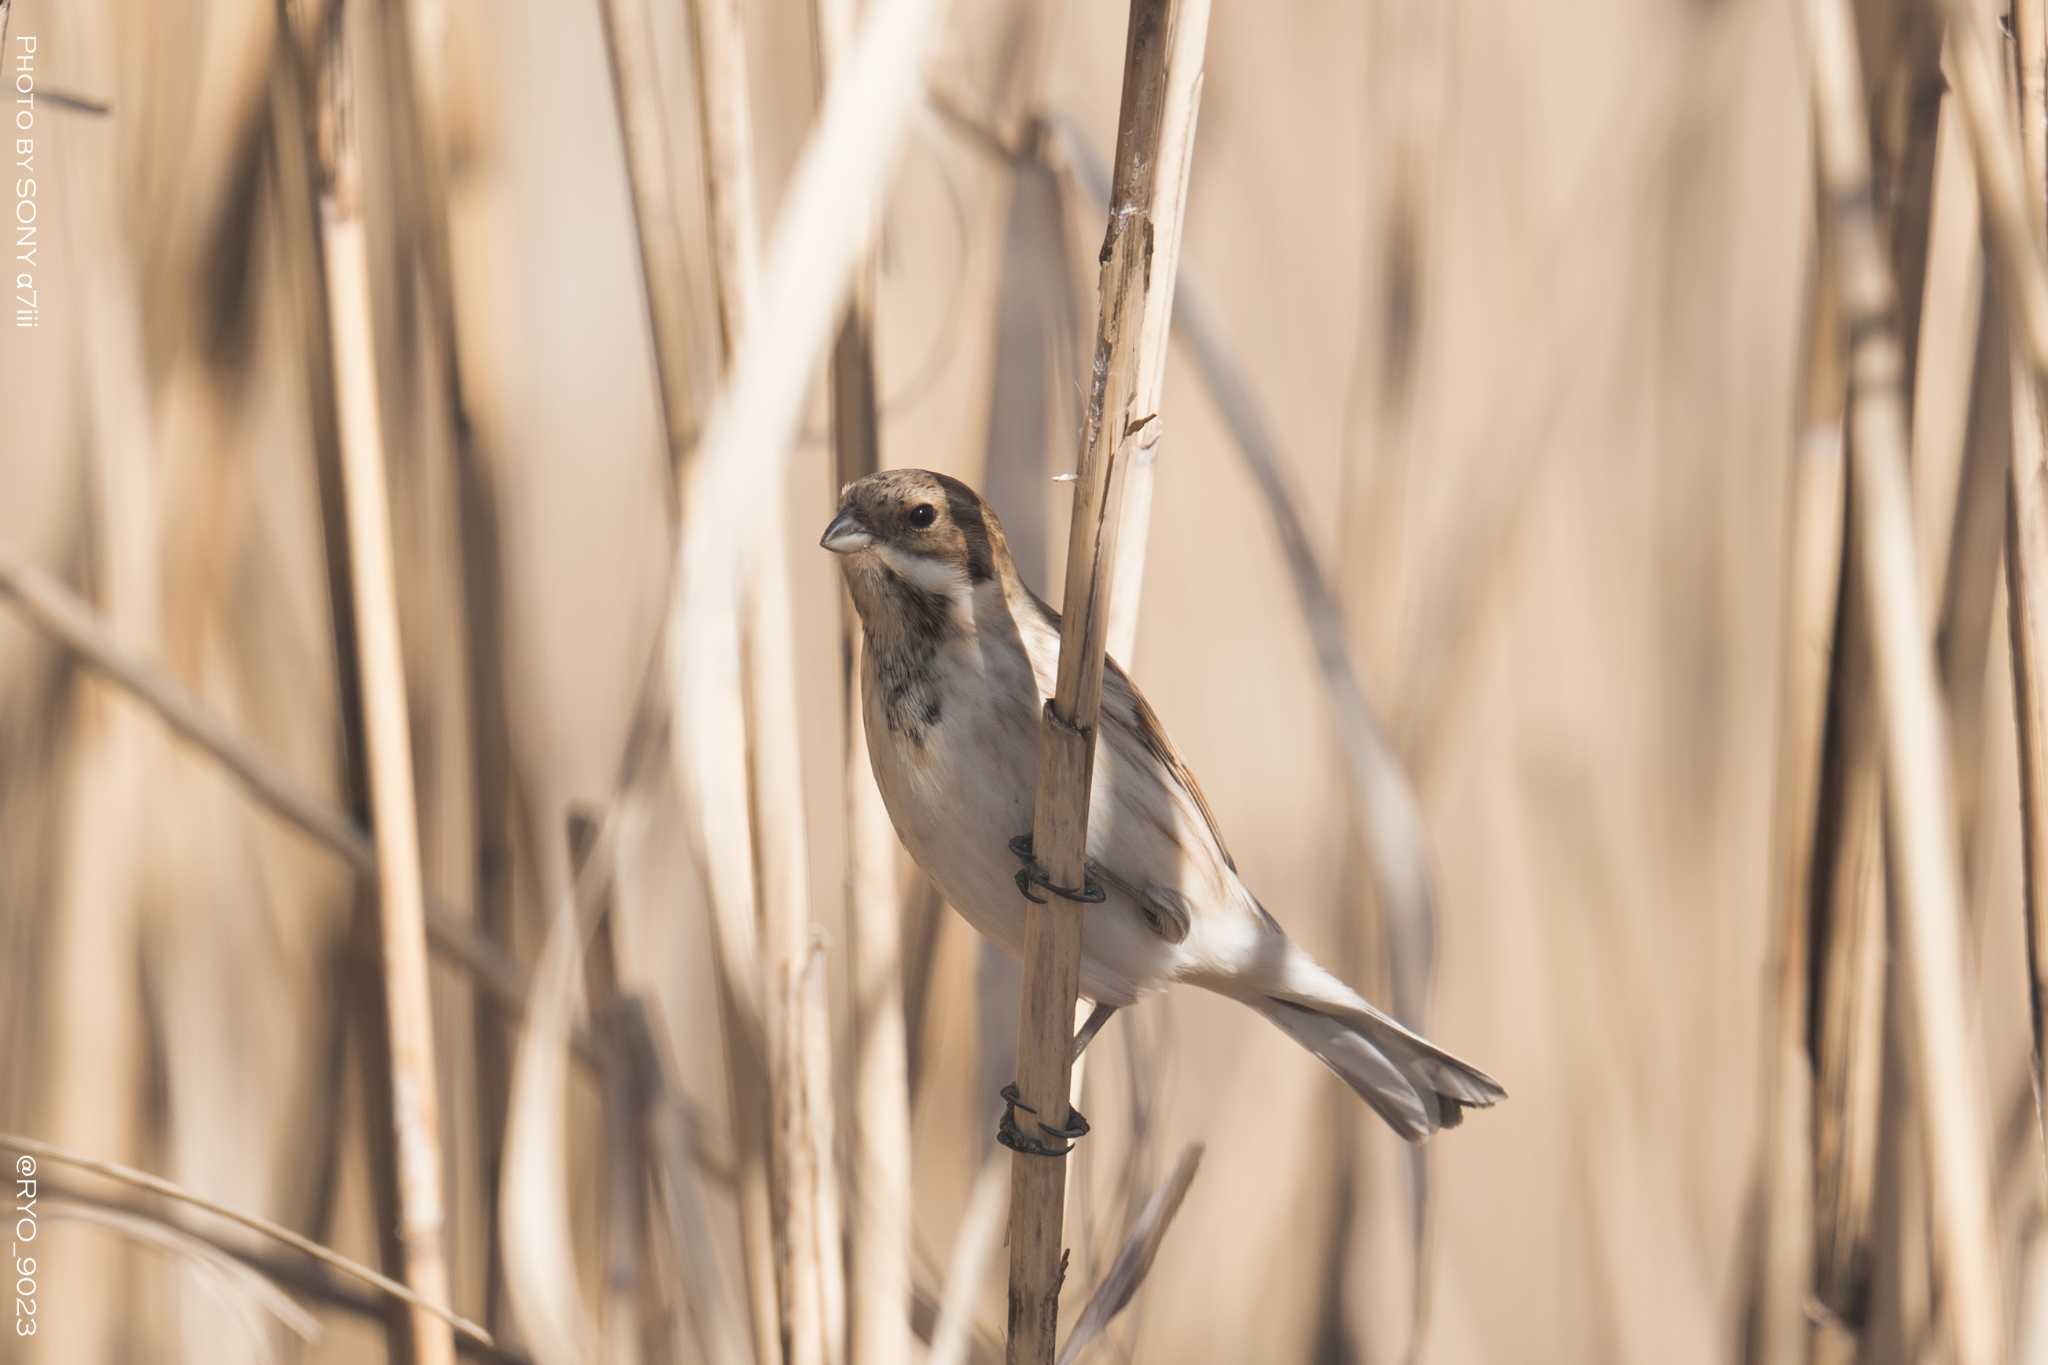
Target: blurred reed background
1519,337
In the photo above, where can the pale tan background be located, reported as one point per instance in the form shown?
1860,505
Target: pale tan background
1560,537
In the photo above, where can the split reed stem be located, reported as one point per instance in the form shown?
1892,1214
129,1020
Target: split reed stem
1115,428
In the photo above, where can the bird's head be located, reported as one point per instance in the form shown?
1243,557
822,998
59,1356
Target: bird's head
931,531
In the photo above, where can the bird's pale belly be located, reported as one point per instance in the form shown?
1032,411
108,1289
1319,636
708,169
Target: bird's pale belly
956,781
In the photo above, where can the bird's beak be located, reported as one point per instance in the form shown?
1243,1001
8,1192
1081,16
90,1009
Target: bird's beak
846,534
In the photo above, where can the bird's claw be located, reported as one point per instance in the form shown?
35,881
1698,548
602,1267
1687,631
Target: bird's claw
1031,874
1012,1135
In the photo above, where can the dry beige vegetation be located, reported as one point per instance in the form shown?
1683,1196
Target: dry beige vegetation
1523,292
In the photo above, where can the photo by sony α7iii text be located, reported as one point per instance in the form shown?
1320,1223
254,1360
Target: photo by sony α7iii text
938,682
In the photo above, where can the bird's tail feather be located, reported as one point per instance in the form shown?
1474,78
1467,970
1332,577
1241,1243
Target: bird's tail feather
1413,1084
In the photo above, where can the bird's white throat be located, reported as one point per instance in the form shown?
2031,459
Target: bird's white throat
922,571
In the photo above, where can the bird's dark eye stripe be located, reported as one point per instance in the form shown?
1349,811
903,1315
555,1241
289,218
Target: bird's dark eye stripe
923,515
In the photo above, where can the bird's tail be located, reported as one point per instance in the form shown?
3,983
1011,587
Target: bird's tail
1409,1081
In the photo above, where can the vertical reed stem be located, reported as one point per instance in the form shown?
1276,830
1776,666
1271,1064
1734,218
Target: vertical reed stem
401,901
636,89
1115,428
2026,561
1783,1273
623,1095
1169,214
880,1229
801,1147
629,42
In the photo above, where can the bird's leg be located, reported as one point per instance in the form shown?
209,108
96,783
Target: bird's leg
1091,1026
1050,1141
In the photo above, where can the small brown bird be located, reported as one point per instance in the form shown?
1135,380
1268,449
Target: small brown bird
960,657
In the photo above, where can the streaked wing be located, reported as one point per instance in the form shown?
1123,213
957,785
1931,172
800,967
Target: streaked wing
1149,825
1127,711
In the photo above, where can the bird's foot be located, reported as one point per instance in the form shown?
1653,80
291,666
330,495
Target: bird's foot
1047,1140
1031,874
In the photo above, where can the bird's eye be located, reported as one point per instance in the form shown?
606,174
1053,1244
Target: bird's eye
923,515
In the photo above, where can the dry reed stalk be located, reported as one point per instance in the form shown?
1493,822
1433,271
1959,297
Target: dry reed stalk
658,226
1783,1270
1951,318
646,1134
2030,1335
1917,785
1115,429
296,76
417,142
1169,213
1902,65
288,1273
1037,327
300,71
924,912
535,1204
629,42
1835,1126
801,1144
828,220
1385,807
2026,562
56,610
2011,225
879,1231
720,1328
157,1185
1975,555
1815,543
2010,180
492,782
1134,1259
974,1245
726,125
1184,73
401,897
363,988
1850,970
238,1281
543,1290
285,1272
622,1211
1848,893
